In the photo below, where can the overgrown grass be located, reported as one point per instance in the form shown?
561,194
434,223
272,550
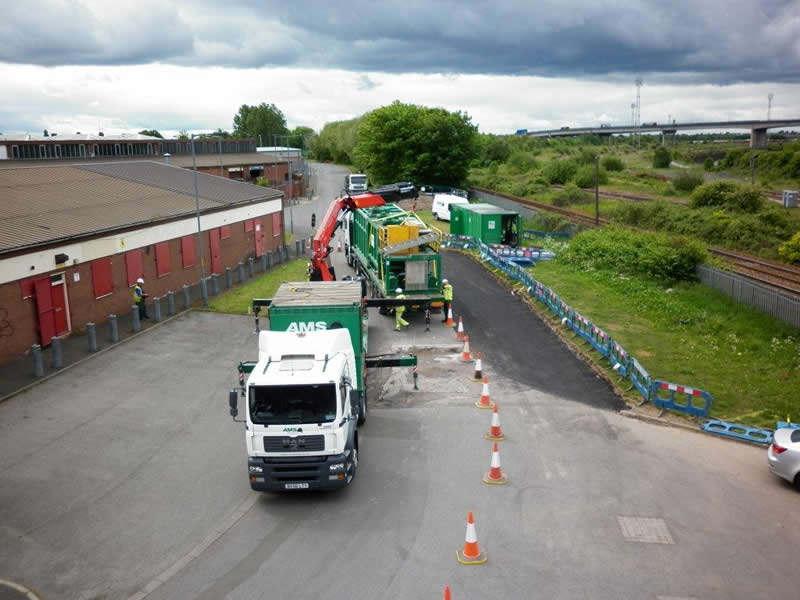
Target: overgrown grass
237,300
427,218
692,335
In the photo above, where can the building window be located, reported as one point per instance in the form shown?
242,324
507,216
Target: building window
15,151
102,281
187,250
224,232
162,259
133,265
83,149
248,225
58,150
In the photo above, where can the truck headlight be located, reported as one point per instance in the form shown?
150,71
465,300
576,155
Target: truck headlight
256,469
336,467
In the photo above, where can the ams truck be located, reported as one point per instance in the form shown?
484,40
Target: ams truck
306,394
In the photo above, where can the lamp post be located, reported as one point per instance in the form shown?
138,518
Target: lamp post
197,207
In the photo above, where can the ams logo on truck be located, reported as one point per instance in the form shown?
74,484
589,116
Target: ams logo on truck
307,326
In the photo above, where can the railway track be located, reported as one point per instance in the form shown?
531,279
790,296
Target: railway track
771,274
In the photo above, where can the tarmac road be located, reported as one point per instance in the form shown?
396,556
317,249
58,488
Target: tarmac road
124,477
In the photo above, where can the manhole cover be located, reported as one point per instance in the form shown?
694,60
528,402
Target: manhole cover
13,591
645,530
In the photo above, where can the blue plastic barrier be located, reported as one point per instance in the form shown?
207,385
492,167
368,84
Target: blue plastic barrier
786,425
531,233
620,360
671,396
640,379
735,430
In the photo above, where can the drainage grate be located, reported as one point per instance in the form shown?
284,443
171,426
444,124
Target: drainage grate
644,529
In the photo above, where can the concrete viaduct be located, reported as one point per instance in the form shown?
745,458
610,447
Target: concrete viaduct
758,129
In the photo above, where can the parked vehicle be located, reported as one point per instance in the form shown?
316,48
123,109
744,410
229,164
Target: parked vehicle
355,183
441,205
783,455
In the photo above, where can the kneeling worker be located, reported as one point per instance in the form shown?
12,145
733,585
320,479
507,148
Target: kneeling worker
399,321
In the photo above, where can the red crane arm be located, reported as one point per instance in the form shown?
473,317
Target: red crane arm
320,246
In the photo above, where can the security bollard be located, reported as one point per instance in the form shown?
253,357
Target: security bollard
270,259
187,300
170,303
136,324
241,272
204,290
58,359
91,335
303,245
286,254
297,247
228,278
214,284
112,322
278,256
250,269
157,309
263,259
38,365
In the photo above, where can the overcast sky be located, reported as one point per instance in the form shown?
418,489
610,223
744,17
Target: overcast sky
80,65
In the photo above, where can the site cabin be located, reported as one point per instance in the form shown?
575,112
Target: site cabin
486,222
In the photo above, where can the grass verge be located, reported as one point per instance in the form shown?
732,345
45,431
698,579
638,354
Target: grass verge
427,218
237,300
692,335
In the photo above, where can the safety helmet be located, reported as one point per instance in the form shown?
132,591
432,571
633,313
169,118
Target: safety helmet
140,280
398,291
444,280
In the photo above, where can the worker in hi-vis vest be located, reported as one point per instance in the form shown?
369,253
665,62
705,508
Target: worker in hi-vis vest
139,297
447,292
399,321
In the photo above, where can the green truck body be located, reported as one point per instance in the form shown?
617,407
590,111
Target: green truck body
486,222
319,305
417,270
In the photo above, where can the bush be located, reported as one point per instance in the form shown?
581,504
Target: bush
745,198
686,181
612,163
521,162
586,156
708,164
560,171
585,176
661,158
664,257
790,251
569,195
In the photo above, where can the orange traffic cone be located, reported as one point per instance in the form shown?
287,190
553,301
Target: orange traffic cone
478,375
447,592
466,356
495,475
485,401
471,555
495,434
460,330
449,322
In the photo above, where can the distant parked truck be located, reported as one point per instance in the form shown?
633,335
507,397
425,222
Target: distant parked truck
355,183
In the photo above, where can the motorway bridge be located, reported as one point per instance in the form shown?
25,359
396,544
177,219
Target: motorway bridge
758,129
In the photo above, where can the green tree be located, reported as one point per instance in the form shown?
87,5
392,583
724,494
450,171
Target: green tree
336,141
264,120
183,135
417,143
219,133
152,132
300,137
661,158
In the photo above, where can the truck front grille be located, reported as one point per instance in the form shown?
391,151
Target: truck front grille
300,443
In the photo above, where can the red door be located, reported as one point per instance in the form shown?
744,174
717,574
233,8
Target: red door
44,307
60,307
259,239
216,257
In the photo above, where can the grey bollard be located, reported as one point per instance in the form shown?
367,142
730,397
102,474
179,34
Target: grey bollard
250,269
204,291
228,278
297,247
112,322
91,335
157,309
286,253
58,358
303,245
241,272
170,303
270,258
187,300
263,259
213,285
136,324
38,365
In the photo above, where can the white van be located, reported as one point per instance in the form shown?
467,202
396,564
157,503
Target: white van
441,205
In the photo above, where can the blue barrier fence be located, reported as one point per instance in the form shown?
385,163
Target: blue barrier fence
528,234
742,432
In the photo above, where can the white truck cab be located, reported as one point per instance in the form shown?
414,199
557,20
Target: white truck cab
301,413
355,183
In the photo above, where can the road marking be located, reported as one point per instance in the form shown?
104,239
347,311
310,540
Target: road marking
645,529
183,561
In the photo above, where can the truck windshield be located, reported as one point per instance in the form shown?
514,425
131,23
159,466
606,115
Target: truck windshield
279,404
358,180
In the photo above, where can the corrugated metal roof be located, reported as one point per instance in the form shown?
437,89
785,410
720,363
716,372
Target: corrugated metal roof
43,204
229,159
77,137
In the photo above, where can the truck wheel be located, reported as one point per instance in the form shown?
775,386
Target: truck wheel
362,408
353,463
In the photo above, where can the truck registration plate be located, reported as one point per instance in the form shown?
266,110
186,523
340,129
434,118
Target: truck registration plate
295,486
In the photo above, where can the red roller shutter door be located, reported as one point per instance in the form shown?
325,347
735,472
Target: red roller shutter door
216,256
101,277
45,310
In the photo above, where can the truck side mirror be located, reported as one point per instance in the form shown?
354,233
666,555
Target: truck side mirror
233,399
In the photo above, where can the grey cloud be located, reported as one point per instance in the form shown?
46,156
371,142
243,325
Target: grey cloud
715,41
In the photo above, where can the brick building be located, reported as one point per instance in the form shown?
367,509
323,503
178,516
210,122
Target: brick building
74,239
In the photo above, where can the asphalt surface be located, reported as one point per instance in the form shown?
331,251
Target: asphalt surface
124,477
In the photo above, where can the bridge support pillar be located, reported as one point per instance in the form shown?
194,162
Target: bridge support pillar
758,138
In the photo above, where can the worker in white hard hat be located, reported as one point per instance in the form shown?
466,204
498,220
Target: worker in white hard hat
399,321
139,298
447,292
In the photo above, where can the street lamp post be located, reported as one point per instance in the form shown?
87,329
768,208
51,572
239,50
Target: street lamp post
197,208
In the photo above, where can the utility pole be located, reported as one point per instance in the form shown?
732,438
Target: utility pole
753,158
597,190
769,105
638,121
197,208
219,147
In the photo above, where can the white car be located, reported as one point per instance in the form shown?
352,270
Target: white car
783,455
441,205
